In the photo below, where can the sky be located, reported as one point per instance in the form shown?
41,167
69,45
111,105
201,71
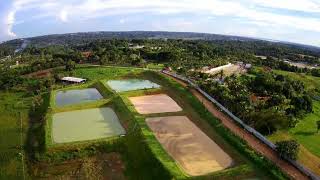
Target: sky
285,20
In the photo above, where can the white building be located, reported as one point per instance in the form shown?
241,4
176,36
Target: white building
73,80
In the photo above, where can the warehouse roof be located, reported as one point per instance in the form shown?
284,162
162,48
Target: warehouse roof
73,79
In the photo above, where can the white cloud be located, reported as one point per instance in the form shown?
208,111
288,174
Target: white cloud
175,24
63,16
297,5
10,22
122,21
310,24
68,11
99,8
6,24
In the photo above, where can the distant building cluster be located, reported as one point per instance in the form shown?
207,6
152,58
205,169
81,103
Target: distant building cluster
228,67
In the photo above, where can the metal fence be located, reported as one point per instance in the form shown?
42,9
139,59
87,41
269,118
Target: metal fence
300,167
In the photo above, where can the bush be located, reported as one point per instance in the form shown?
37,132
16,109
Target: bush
288,149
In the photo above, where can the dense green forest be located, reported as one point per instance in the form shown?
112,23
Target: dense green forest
266,101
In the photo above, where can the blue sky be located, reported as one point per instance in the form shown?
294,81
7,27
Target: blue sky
286,20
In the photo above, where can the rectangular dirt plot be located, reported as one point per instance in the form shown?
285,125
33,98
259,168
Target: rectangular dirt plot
85,124
131,84
76,96
158,103
193,150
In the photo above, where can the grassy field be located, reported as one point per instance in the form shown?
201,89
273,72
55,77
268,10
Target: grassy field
305,132
98,73
98,166
155,66
10,143
311,83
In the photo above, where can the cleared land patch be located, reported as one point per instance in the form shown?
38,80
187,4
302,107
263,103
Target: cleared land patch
100,166
158,103
194,151
131,84
75,96
228,69
85,124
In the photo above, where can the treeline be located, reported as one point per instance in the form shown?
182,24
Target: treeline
265,101
32,60
281,65
175,52
182,55
189,54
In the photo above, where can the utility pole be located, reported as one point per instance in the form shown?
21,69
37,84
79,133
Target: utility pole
21,143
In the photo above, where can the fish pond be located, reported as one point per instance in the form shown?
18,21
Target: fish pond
131,85
87,124
76,96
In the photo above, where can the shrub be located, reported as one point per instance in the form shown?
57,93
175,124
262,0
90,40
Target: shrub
288,149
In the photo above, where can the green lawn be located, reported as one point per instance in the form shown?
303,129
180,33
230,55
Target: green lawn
306,130
10,159
155,66
98,73
310,82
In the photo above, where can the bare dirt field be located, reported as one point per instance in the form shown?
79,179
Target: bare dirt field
194,151
158,103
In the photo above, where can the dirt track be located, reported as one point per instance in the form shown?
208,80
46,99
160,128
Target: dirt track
195,152
252,141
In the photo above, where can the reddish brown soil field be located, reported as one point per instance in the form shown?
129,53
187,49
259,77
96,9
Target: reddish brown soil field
193,150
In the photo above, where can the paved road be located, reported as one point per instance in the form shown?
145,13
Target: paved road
252,141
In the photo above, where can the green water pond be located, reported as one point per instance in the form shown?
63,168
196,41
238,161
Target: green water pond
131,84
76,96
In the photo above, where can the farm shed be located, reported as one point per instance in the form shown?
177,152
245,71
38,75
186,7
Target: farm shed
73,80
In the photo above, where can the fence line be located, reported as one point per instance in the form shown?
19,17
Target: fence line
297,165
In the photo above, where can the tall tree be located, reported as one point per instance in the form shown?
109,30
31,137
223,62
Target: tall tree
70,65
